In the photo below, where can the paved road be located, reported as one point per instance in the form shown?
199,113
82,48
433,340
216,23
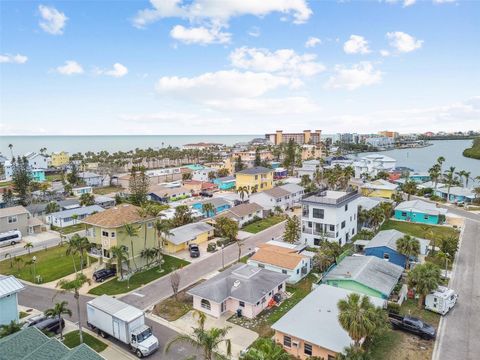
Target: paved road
19,250
458,332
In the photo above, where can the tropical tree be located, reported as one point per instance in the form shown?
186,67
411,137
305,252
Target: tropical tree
408,246
292,230
449,180
17,261
182,216
376,216
424,278
331,249
74,286
208,209
87,199
163,233
132,232
223,172
58,310
208,341
120,254
435,172
52,207
21,178
410,188
28,246
242,191
148,254
11,328
387,209
78,245
266,349
186,176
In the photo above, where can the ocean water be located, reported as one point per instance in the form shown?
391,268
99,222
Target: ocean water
73,144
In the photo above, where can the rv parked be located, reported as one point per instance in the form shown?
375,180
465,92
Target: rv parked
441,300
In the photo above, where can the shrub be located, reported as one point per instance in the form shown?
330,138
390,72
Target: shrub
211,247
393,307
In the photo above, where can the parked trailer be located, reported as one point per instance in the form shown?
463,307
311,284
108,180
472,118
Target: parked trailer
441,300
112,317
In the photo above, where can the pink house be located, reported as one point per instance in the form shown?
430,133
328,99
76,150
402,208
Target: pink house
244,288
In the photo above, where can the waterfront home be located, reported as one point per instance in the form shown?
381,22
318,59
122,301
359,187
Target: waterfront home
225,183
161,193
14,218
384,246
284,197
311,328
329,215
30,343
107,229
59,159
37,161
73,216
254,179
243,213
219,205
244,289
9,288
456,194
419,211
38,175
419,177
372,164
366,275
105,202
80,190
181,237
90,178
283,258
379,188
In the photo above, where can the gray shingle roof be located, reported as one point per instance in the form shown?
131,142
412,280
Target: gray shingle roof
86,210
276,192
388,238
188,232
215,201
242,282
370,271
245,209
255,170
421,207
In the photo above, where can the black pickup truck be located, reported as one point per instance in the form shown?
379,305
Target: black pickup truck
412,325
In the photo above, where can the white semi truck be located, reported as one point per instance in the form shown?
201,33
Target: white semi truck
112,317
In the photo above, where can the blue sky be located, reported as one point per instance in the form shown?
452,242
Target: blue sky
238,66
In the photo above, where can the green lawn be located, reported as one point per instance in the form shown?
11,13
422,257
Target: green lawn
69,229
409,307
54,177
106,190
115,287
22,314
72,339
51,264
173,309
6,183
263,224
418,230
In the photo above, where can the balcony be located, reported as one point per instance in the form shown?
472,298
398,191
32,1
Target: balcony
94,252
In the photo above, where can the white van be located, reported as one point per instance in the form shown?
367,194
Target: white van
441,300
10,238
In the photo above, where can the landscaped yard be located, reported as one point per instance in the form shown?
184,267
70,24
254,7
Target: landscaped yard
72,339
263,224
54,177
69,229
261,324
419,230
106,190
51,264
114,286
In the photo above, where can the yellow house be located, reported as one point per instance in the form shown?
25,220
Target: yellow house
259,178
379,188
60,158
181,237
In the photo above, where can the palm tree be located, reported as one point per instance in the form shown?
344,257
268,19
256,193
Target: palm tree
331,249
73,286
408,246
10,328
10,146
449,179
121,255
17,261
435,172
410,188
266,349
207,209
376,216
72,249
78,245
132,232
57,311
425,278
208,341
242,191
28,246
148,254
163,233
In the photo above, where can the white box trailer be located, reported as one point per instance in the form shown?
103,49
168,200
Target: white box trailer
123,322
441,300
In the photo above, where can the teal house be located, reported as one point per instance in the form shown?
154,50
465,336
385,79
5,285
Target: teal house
225,183
419,211
367,275
38,175
9,288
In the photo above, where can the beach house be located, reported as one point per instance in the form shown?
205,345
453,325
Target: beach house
419,211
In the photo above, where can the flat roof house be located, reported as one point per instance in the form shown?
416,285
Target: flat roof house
257,178
72,216
243,288
225,183
9,288
182,236
366,275
311,327
419,211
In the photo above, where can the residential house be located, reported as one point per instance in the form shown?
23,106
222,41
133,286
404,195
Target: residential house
384,246
419,211
32,344
39,209
369,203
379,188
161,193
420,177
203,174
91,179
59,159
254,179
196,187
308,168
219,205
244,289
225,183
330,215
14,218
107,229
38,175
284,196
9,288
366,275
284,258
311,328
181,237
280,173
37,161
243,213
311,151
105,202
73,216
372,164
248,156
455,194
80,190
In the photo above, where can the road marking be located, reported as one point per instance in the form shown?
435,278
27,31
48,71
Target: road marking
138,294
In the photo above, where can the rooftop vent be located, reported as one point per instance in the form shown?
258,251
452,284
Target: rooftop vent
236,283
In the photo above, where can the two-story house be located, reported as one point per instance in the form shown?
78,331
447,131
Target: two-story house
329,215
254,179
284,197
59,158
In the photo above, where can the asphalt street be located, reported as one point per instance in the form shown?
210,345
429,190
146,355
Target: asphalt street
18,249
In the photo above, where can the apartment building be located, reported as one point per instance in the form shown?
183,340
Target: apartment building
305,137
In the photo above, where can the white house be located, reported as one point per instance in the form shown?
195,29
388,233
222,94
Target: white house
202,174
9,288
308,168
330,215
72,216
373,164
284,258
80,190
285,197
37,161
90,178
243,213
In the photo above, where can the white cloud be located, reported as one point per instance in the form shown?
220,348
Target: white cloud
223,84
200,35
254,31
71,67
443,1
284,61
13,59
407,3
384,53
362,74
403,42
53,20
312,42
118,71
356,45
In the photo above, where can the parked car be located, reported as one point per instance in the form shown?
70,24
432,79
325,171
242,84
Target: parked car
194,250
206,193
413,326
103,274
34,320
50,325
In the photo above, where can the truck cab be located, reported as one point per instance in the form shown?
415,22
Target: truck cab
143,342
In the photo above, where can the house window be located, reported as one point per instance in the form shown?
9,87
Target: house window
287,341
298,271
150,225
318,213
332,227
386,256
263,300
241,304
12,219
316,242
112,234
353,231
205,304
280,287
284,271
270,293
307,349
404,214
425,217
105,233
343,224
346,207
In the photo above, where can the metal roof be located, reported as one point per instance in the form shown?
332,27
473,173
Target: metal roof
9,285
188,232
85,210
421,207
116,308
